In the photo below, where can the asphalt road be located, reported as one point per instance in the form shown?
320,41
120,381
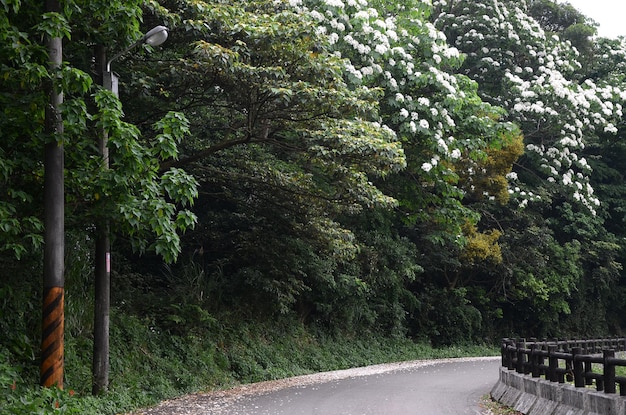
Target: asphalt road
450,387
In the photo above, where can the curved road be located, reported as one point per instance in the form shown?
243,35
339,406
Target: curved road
426,387
451,386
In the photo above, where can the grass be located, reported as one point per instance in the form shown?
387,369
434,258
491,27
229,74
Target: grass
165,345
496,408
148,365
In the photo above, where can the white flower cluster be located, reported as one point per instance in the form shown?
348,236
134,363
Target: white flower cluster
405,58
531,75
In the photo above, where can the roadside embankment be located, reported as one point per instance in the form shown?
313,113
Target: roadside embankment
536,396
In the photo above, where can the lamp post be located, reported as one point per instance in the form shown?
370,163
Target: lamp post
102,272
154,37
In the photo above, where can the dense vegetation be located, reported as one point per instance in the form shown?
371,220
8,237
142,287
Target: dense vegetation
304,185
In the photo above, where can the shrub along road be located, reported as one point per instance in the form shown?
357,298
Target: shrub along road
434,387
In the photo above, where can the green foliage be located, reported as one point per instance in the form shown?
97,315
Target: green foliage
451,318
555,221
41,401
555,17
544,278
19,313
22,76
133,194
337,179
151,361
54,25
373,294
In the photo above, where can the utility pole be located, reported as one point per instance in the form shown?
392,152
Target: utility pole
53,318
102,271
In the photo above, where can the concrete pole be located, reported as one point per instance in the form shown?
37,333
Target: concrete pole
102,271
53,318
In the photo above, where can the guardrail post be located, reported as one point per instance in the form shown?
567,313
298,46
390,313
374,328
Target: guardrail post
542,358
569,364
569,375
553,363
609,371
534,360
579,370
506,353
521,356
511,354
588,369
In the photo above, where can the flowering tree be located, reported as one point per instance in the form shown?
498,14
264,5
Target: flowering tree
444,126
536,77
568,102
450,137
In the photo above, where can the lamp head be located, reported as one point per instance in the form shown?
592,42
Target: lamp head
155,36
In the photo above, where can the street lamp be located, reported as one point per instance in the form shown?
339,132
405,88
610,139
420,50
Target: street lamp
154,37
102,271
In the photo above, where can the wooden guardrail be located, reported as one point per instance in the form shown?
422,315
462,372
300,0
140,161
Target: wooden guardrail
571,360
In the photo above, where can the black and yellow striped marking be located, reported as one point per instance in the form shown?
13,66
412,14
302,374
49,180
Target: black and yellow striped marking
52,337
